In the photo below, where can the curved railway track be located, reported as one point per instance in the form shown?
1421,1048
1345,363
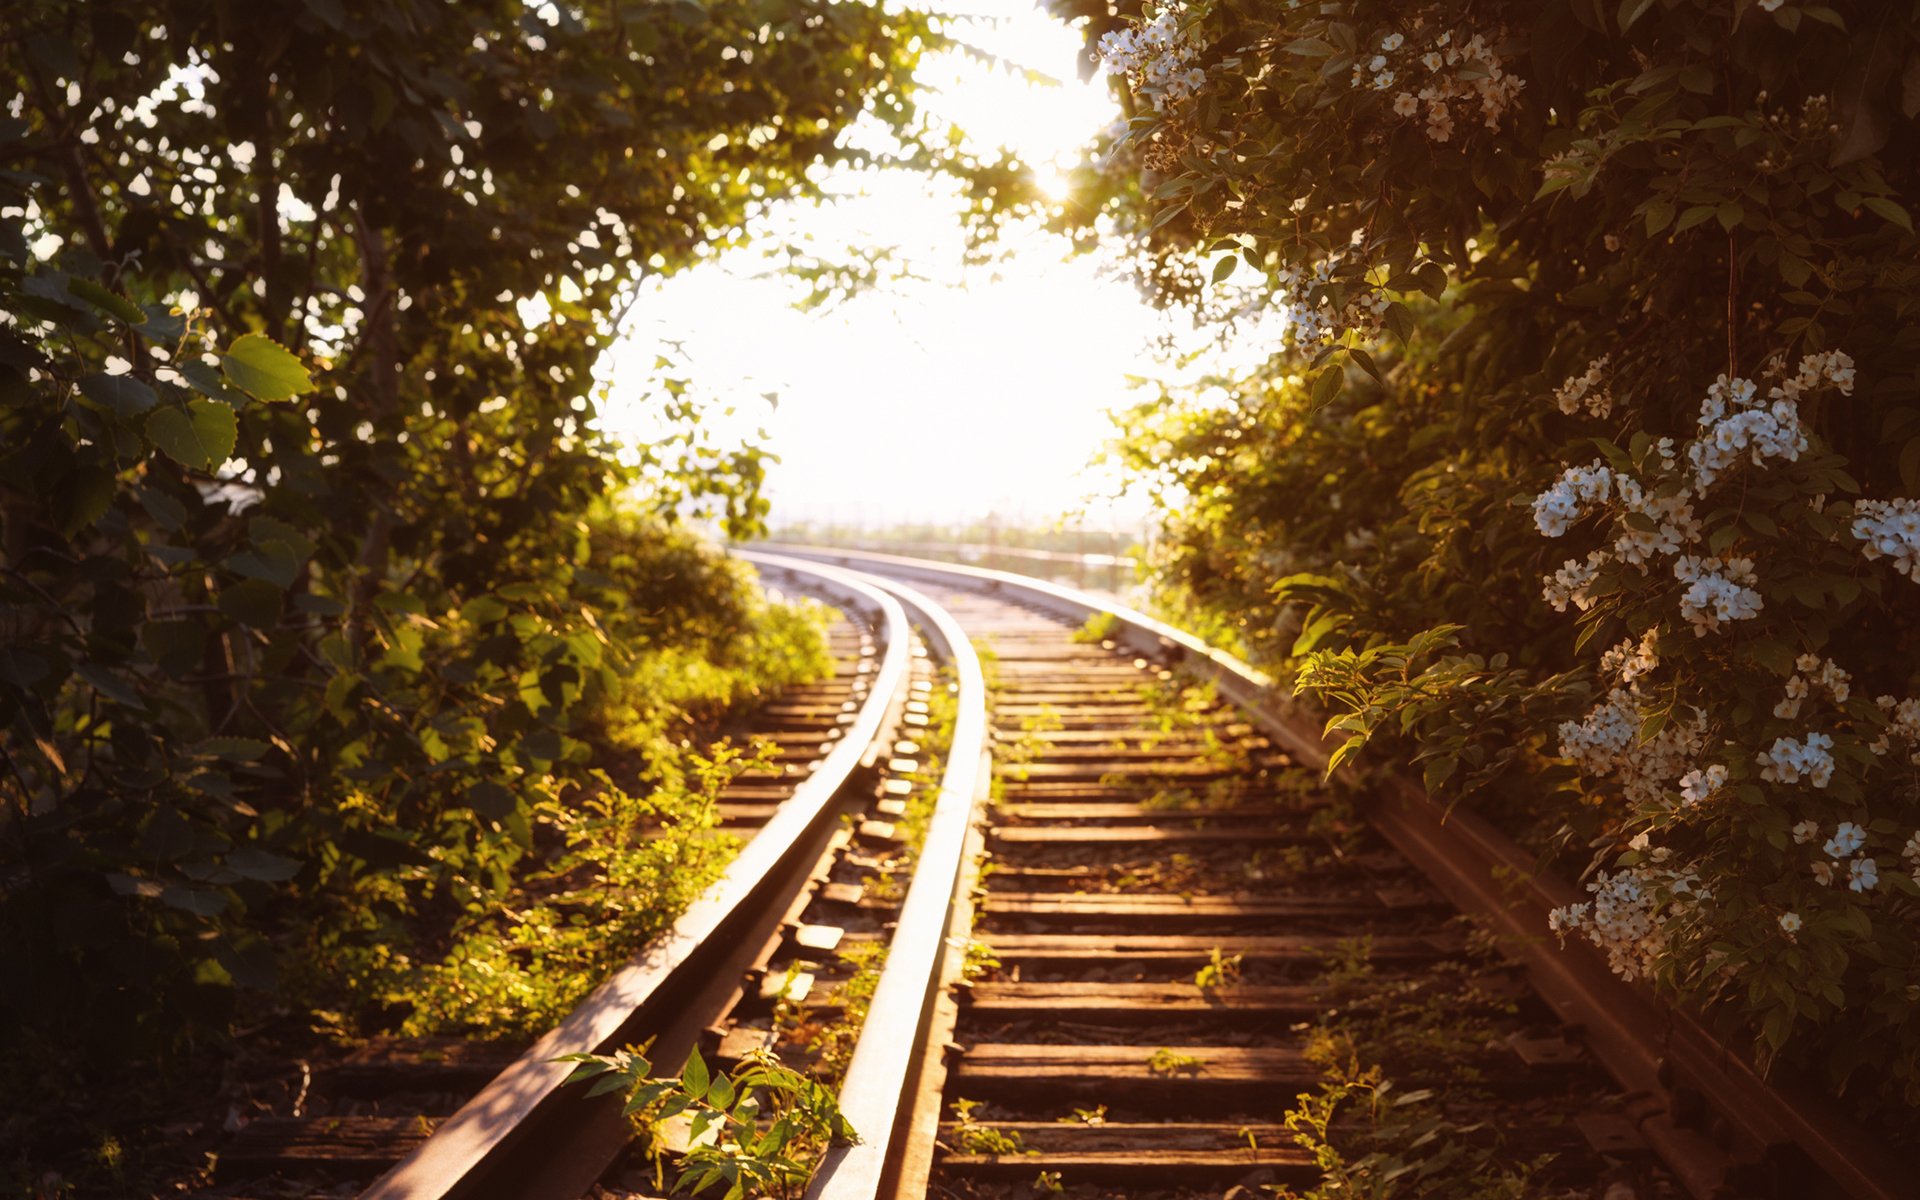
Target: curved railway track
1125,926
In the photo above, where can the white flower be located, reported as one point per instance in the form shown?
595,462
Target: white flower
1717,591
1912,850
1391,42
1890,529
1862,874
1576,493
1697,785
1588,389
1790,923
1788,760
1405,104
1845,840
1823,874
1805,832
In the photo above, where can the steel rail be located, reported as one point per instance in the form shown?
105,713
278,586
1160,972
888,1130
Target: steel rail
878,1091
524,1135
1648,1045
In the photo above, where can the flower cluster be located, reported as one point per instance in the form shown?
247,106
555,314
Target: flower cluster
1629,912
1903,726
1697,785
1442,77
1577,492
1607,742
1890,529
1818,675
1156,57
1570,583
1313,322
1787,760
1588,389
1718,590
1736,423
1848,838
1630,660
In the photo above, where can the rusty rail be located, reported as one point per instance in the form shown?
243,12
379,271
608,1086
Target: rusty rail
524,1135
1649,1046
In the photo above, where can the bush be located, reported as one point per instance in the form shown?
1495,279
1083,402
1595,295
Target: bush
1636,278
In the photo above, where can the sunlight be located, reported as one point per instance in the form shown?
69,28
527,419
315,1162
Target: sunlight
974,387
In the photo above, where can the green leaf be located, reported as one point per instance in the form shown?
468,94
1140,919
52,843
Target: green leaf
208,382
83,497
1631,11
232,749
1693,216
249,862
107,301
264,369
122,395
492,800
201,435
1891,211
1225,268
694,1076
109,685
1326,386
1366,363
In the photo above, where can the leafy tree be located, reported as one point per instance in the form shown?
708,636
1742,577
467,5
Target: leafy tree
314,578
1512,240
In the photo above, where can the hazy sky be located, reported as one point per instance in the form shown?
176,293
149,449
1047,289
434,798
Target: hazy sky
965,390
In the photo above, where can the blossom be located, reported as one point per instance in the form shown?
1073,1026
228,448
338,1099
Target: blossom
1570,583
1790,923
1630,660
1607,742
1862,874
1717,591
1628,914
1578,491
1586,389
1787,760
1156,57
1845,840
1405,104
1890,529
1697,785
1823,874
1392,42
1805,832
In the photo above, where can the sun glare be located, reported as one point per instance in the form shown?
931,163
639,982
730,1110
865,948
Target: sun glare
975,388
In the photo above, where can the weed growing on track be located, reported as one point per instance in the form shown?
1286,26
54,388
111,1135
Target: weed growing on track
970,1136
760,1131
1368,1137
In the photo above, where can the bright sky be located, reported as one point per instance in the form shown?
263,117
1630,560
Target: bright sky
965,389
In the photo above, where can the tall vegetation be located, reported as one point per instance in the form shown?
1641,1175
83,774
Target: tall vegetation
1586,471
319,585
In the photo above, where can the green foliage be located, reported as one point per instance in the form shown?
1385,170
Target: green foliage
1488,283
322,593
759,1131
1171,1062
1220,971
1098,628
969,1135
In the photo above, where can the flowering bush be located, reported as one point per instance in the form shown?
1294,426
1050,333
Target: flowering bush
1587,475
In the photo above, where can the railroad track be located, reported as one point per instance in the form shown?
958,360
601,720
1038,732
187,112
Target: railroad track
1125,927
